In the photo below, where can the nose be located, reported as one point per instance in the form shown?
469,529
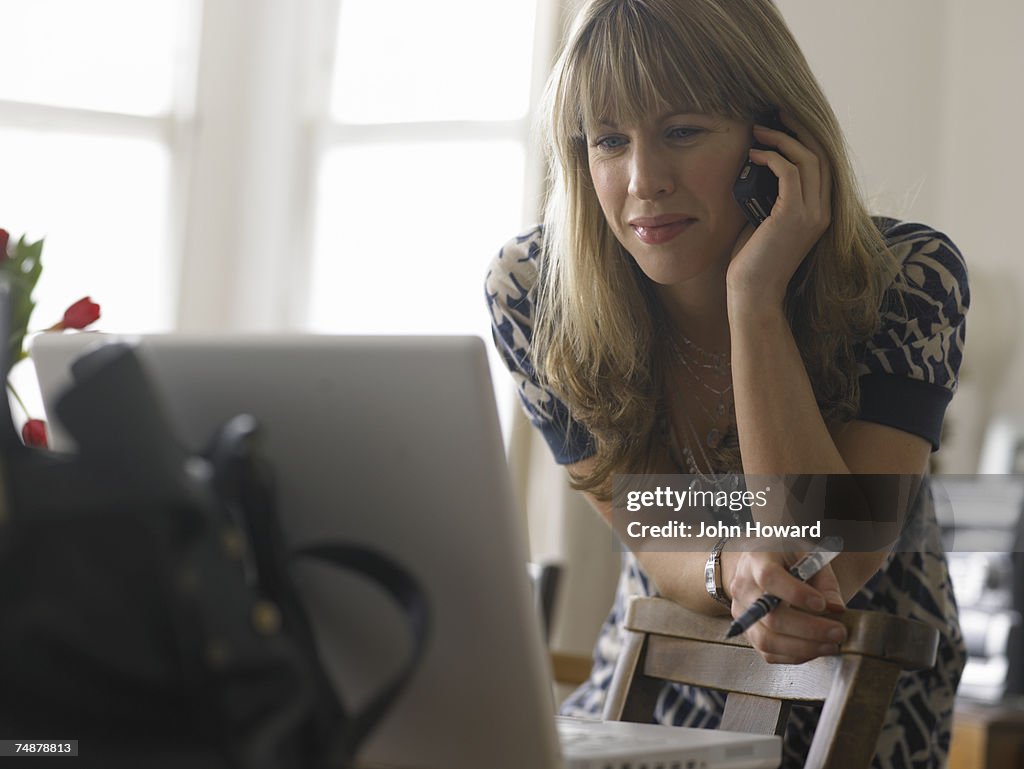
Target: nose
650,173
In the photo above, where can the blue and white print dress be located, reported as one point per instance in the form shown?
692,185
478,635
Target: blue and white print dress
908,374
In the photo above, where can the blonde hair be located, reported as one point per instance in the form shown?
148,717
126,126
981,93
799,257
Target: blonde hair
595,339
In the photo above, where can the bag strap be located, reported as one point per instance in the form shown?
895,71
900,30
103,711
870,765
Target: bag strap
244,483
407,593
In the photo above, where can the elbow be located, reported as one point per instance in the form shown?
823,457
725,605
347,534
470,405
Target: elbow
853,570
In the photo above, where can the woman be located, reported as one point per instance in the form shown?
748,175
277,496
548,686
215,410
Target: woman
650,328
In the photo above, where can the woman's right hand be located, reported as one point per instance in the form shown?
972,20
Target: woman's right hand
789,634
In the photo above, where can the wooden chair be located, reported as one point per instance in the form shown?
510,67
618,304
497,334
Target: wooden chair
566,667
546,578
665,642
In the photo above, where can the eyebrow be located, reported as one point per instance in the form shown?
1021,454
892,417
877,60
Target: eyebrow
605,122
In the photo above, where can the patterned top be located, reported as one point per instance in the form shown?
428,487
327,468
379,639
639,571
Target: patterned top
908,374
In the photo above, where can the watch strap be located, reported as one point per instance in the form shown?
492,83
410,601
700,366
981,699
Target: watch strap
713,573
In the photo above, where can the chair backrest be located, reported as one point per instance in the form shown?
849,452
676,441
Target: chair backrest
546,578
665,642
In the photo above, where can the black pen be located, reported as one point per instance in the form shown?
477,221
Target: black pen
803,570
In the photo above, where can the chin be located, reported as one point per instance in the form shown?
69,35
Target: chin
668,274
668,269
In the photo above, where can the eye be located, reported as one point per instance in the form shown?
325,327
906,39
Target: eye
611,142
684,132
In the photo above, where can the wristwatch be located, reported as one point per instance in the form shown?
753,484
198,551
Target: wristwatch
713,573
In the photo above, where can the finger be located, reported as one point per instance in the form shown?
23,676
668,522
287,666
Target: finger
807,209
827,582
790,182
792,147
773,578
802,134
803,157
825,193
816,147
799,624
786,646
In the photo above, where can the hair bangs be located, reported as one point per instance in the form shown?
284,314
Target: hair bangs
629,64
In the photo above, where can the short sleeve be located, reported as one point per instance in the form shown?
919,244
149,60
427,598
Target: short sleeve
511,290
909,369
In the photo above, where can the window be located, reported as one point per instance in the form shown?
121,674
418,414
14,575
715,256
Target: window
339,166
424,164
89,157
87,145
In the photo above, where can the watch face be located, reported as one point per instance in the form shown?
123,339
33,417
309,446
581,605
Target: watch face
709,579
713,578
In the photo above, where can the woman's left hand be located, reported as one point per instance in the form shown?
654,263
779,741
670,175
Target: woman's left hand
765,259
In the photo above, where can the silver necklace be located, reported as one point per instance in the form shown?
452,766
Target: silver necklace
690,439
691,460
703,480
716,361
693,358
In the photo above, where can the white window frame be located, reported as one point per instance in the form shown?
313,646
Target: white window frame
250,198
169,129
248,129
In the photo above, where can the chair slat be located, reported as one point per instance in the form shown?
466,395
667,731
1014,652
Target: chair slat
754,715
736,669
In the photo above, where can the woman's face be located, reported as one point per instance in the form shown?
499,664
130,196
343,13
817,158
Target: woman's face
665,187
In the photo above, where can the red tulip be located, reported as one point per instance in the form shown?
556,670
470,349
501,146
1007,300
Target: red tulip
5,238
79,315
33,433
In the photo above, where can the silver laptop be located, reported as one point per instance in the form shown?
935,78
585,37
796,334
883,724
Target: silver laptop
394,442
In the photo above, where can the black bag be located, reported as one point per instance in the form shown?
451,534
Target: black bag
146,608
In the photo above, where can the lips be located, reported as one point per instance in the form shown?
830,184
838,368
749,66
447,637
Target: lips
656,230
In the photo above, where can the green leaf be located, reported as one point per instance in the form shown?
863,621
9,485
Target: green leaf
21,270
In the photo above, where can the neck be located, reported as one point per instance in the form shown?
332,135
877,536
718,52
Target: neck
698,310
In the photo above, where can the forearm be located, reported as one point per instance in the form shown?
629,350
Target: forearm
780,427
680,578
853,570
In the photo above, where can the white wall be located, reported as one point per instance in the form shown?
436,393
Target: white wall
929,94
880,65
981,191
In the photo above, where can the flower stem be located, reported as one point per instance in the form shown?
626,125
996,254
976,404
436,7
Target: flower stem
18,399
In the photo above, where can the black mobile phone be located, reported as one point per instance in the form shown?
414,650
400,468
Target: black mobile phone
757,188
